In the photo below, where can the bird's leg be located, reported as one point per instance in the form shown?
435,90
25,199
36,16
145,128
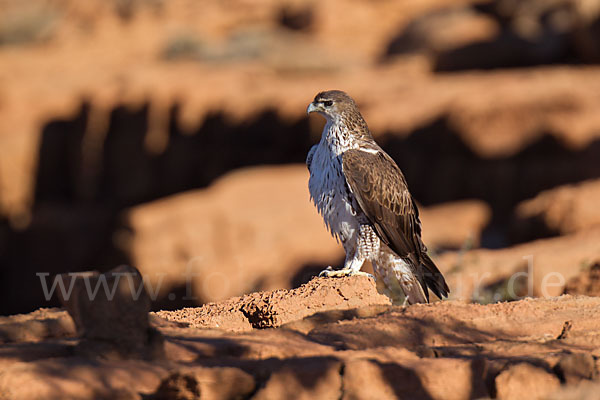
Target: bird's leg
352,267
405,302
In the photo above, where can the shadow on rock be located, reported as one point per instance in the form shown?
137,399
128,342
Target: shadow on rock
111,315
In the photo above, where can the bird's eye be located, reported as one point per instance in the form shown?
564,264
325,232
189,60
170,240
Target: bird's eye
328,103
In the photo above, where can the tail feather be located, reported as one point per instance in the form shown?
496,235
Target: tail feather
433,278
414,292
400,288
412,281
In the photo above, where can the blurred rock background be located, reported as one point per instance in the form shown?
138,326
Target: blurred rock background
171,135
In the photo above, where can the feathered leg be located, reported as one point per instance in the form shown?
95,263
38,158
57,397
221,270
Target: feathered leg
352,267
367,244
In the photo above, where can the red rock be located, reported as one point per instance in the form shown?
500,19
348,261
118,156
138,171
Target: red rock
525,380
587,282
179,386
454,225
76,378
445,350
419,379
573,368
584,391
36,326
206,383
274,309
317,378
112,320
538,268
474,328
563,210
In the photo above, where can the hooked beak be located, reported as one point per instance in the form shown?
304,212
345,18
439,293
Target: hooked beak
312,107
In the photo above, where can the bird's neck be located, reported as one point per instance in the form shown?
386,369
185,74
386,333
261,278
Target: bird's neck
339,136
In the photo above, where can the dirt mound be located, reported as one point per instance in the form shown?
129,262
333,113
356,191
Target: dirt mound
272,309
445,350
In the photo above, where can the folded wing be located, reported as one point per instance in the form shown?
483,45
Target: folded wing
381,192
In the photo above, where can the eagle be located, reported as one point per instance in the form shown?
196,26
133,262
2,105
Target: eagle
363,197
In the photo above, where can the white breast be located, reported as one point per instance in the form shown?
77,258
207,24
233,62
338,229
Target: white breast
327,188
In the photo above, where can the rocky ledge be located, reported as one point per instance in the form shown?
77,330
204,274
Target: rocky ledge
330,338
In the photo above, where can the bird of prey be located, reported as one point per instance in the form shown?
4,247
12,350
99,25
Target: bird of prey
364,199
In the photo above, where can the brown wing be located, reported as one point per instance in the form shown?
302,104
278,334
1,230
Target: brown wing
382,193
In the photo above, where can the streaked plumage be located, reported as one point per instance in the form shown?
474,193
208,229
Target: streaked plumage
364,199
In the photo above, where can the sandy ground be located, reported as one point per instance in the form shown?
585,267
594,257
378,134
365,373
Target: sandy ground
330,338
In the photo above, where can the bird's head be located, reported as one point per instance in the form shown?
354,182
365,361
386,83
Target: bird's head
332,104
